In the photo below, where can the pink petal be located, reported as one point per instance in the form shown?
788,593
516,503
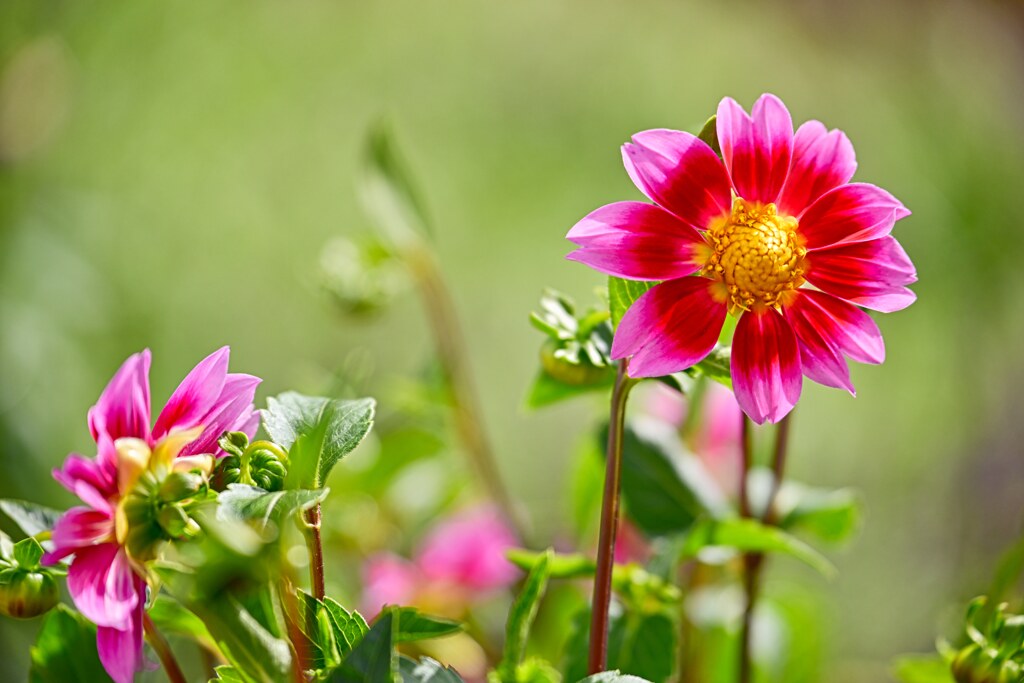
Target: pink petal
820,357
844,325
120,650
469,549
822,160
871,274
77,528
102,586
196,396
636,241
669,328
79,473
756,149
850,213
123,407
679,172
765,366
388,580
234,402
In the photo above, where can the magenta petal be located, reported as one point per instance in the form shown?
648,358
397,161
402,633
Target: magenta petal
99,586
120,650
857,212
846,326
78,471
123,407
871,274
234,402
679,172
388,580
77,528
196,396
756,149
766,373
820,357
669,328
636,241
822,160
469,550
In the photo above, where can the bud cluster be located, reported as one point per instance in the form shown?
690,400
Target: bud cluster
260,463
577,348
995,653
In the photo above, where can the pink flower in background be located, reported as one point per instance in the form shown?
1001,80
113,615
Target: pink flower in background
631,546
105,583
460,560
774,216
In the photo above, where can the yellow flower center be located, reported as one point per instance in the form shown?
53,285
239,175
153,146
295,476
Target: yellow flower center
756,254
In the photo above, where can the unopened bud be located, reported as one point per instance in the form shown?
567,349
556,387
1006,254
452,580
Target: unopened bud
176,523
180,485
27,593
234,443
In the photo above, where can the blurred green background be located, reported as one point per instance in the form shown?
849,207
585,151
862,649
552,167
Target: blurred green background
170,172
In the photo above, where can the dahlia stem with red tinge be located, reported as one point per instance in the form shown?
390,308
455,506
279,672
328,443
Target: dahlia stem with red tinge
314,542
598,655
163,651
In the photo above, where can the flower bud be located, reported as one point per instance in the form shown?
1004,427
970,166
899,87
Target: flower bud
179,486
263,464
27,593
234,443
176,523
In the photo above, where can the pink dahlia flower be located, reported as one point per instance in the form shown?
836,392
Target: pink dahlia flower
108,585
773,232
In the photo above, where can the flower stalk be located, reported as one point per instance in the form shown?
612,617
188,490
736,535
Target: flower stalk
753,563
314,542
163,650
598,654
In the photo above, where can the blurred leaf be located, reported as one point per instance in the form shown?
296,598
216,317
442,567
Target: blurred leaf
622,294
546,390
536,670
31,518
709,134
923,669
521,616
830,515
229,674
317,432
241,502
717,366
27,553
387,191
750,535
560,566
172,617
247,644
373,660
587,485
639,644
413,625
426,670
657,490
65,650
613,677
6,547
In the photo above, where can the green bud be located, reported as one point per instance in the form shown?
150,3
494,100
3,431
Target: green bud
580,373
234,443
263,464
176,523
179,486
26,593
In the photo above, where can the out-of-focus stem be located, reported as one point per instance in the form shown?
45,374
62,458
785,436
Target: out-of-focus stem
454,358
598,655
163,650
316,551
753,563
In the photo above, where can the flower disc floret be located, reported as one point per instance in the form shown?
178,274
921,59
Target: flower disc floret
756,255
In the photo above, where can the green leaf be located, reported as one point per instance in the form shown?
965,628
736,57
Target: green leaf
6,547
246,643
228,674
521,616
388,193
318,432
65,650
349,627
560,566
546,390
426,670
244,503
716,366
613,677
31,518
622,294
413,625
830,515
639,645
373,660
709,134
750,535
923,669
27,553
170,616
660,481
315,623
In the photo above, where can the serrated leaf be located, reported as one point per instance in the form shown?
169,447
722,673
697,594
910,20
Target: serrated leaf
31,518
317,432
244,503
349,626
27,553
65,650
315,623
388,193
622,294
521,616
413,625
750,535
374,659
426,670
923,669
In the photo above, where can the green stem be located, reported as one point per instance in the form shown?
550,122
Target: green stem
598,655
753,563
454,358
163,650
